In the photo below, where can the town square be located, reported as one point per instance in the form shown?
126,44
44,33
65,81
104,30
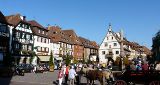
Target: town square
58,42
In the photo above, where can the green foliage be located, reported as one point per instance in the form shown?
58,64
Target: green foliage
51,60
75,61
32,54
68,59
25,52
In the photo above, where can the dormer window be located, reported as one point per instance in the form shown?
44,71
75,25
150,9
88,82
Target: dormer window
54,32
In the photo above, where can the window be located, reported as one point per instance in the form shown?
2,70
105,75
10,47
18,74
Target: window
112,38
44,40
115,44
39,31
106,44
54,32
109,46
103,53
3,28
117,52
107,38
21,24
29,47
39,49
27,26
30,37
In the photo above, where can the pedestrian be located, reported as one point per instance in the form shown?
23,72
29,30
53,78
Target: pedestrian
139,66
78,77
157,66
72,74
60,76
66,74
145,66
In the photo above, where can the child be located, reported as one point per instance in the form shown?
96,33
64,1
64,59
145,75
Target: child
60,76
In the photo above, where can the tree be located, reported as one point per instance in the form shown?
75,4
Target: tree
51,64
68,59
51,60
75,61
156,47
32,54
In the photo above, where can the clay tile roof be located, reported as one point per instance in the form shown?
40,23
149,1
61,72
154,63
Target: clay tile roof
57,35
73,36
15,19
94,44
35,23
85,42
2,18
146,50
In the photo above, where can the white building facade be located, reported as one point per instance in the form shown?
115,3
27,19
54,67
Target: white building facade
110,46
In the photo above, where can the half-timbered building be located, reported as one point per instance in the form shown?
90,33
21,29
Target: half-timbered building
22,38
41,41
4,38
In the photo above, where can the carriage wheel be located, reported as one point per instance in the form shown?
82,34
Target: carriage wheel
155,83
120,82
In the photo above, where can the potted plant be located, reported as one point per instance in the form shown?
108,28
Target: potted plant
51,64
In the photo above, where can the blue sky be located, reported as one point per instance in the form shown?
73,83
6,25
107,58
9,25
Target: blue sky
140,19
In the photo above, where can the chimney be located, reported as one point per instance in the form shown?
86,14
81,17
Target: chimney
24,18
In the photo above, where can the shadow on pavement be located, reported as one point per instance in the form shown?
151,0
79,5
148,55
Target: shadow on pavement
6,74
55,82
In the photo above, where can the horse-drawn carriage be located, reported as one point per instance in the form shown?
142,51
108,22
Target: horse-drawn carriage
104,76
142,77
127,77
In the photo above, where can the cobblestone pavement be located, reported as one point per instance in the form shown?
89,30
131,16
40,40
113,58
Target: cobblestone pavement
48,78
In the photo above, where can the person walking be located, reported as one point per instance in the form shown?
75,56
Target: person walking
66,74
72,74
60,76
78,77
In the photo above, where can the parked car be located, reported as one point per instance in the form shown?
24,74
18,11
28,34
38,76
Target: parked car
27,67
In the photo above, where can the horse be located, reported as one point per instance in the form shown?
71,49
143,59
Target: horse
95,74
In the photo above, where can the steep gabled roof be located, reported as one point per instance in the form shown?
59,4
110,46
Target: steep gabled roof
94,44
57,35
2,18
35,24
15,19
35,27
73,36
85,42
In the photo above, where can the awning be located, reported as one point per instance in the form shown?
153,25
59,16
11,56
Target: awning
58,58
44,58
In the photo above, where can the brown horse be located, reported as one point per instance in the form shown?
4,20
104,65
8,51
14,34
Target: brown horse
95,74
